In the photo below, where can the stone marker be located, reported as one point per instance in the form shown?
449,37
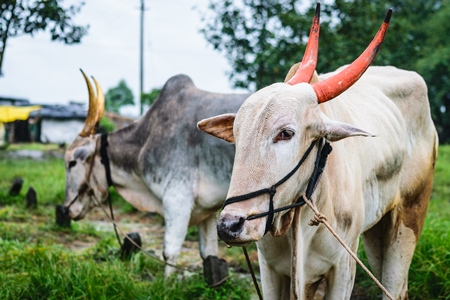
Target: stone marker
62,217
16,186
128,248
215,271
31,198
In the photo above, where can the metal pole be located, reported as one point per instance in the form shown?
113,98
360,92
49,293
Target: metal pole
141,89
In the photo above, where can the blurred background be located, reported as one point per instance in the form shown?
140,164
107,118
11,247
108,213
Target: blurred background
133,47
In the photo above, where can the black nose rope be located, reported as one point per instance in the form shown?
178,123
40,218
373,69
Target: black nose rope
105,158
105,161
319,165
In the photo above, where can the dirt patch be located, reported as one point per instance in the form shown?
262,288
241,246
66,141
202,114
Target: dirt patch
150,228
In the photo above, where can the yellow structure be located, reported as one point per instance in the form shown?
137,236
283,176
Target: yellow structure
13,113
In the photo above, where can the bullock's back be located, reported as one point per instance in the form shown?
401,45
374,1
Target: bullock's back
393,105
388,102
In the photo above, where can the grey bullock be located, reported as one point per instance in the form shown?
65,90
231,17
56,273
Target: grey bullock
161,163
376,184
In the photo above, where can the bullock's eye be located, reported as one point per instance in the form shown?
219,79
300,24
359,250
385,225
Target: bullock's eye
72,163
284,135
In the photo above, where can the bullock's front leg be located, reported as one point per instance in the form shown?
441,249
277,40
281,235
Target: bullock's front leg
177,211
207,231
274,285
341,278
275,274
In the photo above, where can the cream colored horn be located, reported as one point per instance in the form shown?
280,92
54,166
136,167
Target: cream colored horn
100,102
91,119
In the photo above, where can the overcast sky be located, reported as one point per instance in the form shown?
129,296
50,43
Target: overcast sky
48,72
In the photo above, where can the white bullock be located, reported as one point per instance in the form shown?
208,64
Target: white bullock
378,187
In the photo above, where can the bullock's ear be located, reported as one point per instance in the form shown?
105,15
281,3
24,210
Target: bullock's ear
335,131
219,126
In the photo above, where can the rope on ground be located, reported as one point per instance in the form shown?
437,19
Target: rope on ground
320,218
140,248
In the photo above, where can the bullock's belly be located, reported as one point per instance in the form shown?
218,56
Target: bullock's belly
211,193
382,169
380,197
209,198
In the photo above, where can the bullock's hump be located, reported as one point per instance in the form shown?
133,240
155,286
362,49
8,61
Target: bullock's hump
178,81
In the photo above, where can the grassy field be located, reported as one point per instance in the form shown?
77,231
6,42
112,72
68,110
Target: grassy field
36,260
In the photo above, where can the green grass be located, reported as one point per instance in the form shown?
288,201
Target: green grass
33,146
47,177
36,262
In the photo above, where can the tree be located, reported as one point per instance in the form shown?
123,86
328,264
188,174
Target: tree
118,96
263,39
19,17
435,63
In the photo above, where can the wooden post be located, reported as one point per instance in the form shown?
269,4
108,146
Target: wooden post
16,186
62,217
128,247
31,198
215,271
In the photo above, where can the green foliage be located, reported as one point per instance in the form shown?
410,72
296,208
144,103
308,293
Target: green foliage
107,124
19,17
118,96
263,39
47,177
147,99
434,64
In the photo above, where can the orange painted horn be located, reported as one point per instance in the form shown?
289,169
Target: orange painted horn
337,84
91,119
309,61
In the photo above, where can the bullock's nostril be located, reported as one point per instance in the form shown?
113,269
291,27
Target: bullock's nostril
229,227
236,227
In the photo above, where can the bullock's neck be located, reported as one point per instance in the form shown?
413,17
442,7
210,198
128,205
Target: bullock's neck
124,150
126,144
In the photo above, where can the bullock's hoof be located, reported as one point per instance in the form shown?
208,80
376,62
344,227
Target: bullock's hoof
215,271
